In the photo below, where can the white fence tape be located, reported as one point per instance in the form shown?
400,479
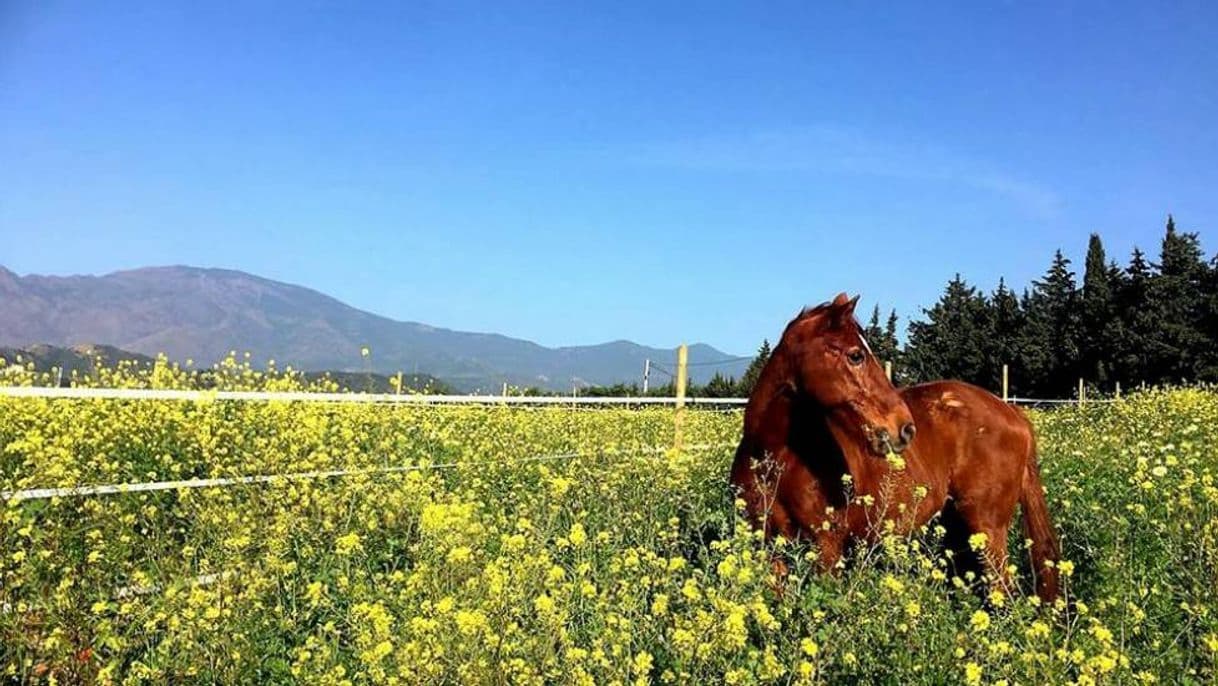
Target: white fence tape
144,487
208,579
305,396
201,580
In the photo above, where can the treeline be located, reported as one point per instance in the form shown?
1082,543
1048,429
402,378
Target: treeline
1153,322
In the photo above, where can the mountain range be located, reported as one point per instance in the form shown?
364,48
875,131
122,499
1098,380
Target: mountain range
203,314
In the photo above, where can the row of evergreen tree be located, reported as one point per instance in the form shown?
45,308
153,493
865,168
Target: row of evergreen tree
1148,322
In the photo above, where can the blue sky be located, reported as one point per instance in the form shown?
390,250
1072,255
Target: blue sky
662,173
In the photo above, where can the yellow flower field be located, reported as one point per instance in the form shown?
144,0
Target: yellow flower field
556,545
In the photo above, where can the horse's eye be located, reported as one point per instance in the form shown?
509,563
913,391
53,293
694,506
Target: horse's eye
855,357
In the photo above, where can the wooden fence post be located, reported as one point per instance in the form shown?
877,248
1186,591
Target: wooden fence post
888,370
1006,383
1082,393
682,367
1118,390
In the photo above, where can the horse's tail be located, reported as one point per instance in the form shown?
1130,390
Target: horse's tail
1038,527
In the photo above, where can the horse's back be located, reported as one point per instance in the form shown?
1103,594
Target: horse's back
961,405
981,442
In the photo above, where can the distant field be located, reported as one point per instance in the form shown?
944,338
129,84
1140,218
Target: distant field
558,546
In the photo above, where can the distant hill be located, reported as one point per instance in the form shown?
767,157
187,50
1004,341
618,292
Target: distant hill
202,314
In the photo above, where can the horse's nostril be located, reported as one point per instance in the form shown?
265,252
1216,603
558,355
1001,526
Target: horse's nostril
908,431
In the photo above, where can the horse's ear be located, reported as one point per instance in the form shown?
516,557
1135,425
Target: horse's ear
842,310
851,305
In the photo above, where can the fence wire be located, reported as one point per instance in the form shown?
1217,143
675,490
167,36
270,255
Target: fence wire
1033,402
87,393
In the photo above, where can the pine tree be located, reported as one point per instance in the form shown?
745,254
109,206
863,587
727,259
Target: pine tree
744,387
952,343
1005,323
1033,368
1098,312
1208,367
883,340
1137,320
1055,306
890,329
892,347
719,386
1177,301
1116,333
872,332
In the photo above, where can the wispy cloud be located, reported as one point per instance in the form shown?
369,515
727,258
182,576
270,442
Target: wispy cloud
835,150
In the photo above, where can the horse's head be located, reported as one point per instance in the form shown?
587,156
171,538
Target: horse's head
830,362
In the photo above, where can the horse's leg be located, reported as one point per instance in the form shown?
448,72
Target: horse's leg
779,568
831,545
778,523
987,487
997,560
955,542
779,571
993,552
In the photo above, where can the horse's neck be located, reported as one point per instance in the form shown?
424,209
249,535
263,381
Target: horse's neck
856,454
771,389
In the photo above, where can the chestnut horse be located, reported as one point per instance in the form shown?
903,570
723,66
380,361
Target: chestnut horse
823,419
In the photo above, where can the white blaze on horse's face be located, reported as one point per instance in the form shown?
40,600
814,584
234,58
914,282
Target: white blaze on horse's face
863,340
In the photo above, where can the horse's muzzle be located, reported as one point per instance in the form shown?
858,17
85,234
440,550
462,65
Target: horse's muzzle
883,443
